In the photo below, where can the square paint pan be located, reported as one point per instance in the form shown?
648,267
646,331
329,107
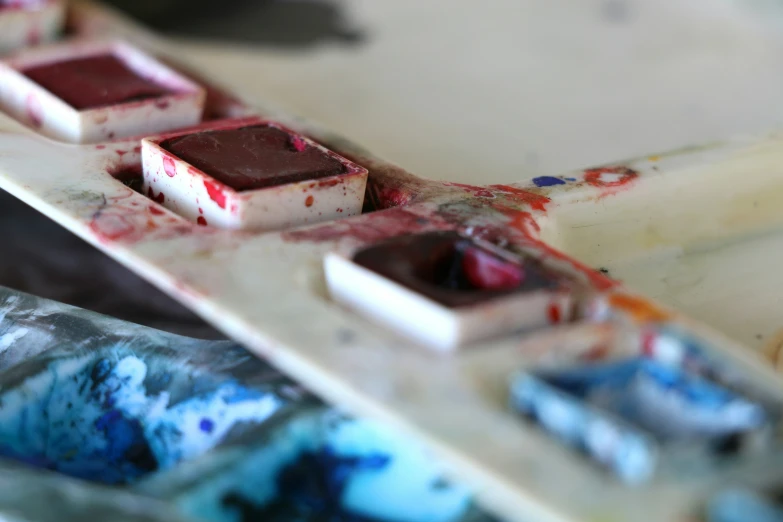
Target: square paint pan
29,22
93,92
446,290
640,415
251,175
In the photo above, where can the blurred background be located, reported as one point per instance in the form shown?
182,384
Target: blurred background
497,90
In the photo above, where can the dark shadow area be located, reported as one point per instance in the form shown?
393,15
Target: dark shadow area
40,257
277,23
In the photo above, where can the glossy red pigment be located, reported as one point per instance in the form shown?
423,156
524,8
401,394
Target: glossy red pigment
216,192
486,271
169,166
254,157
94,81
309,201
435,265
201,221
610,176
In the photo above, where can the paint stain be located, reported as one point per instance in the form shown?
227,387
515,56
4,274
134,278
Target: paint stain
638,308
480,192
155,211
298,143
610,176
553,312
169,166
547,181
201,221
215,192
162,104
531,199
309,201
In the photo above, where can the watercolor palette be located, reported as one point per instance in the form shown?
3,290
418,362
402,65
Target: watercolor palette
597,244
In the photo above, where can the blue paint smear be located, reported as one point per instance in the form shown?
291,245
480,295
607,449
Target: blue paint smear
570,179
664,400
92,417
320,465
547,181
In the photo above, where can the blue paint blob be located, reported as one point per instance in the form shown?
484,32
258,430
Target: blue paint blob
206,425
547,181
570,179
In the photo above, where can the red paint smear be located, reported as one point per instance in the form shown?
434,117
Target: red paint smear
593,176
215,191
298,143
487,272
200,210
596,353
201,221
121,153
370,227
112,228
155,211
34,111
309,201
100,147
137,149
526,224
339,210
476,191
330,182
169,166
162,104
554,313
533,200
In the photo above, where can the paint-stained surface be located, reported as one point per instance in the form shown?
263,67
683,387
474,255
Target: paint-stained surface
267,290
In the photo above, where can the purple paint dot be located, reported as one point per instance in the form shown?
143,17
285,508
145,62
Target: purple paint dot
547,181
206,425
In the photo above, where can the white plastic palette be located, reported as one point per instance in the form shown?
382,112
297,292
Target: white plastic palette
683,212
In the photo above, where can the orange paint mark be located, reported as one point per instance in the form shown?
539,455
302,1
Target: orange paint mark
638,308
309,201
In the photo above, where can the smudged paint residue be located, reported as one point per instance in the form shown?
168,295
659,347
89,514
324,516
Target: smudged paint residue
327,466
93,418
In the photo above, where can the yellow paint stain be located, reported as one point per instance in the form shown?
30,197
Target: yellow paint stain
638,308
653,158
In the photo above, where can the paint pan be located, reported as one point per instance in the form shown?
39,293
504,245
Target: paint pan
247,175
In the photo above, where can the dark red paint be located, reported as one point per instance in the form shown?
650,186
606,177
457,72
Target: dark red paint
155,211
201,221
253,157
94,81
554,313
453,270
